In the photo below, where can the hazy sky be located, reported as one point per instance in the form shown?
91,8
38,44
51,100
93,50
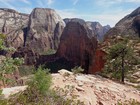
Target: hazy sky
103,11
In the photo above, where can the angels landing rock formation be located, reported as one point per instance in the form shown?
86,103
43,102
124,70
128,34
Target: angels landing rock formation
95,27
13,24
44,29
79,46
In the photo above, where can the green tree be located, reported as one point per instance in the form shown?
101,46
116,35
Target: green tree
41,81
120,57
7,65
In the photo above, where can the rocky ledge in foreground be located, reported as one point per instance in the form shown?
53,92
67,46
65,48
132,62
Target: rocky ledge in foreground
90,89
95,90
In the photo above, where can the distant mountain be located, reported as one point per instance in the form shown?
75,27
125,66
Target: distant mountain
41,30
98,29
95,28
128,26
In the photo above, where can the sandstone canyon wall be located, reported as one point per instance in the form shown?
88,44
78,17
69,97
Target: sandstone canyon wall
13,25
44,29
79,46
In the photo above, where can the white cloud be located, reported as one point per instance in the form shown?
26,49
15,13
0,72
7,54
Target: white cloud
108,3
111,17
50,2
27,10
26,1
45,3
75,2
7,3
68,13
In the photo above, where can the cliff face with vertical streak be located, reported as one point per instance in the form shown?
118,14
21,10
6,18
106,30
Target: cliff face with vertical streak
78,46
41,30
13,24
44,29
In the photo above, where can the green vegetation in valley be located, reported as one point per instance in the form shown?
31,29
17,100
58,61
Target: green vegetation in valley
7,64
49,52
25,70
39,92
120,60
77,70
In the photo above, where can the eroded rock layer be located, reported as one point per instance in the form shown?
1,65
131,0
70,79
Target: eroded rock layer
78,45
44,29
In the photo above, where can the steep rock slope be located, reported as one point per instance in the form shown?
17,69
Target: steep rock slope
99,30
13,24
129,25
45,28
78,45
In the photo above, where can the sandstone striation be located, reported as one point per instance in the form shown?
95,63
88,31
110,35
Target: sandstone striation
13,24
128,26
44,29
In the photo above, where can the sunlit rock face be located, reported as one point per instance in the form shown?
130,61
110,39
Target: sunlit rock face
13,25
44,29
128,26
98,29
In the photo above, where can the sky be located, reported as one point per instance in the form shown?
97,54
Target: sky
103,11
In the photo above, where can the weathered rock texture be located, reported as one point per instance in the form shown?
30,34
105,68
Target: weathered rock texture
41,30
28,54
128,26
13,24
44,29
78,46
95,90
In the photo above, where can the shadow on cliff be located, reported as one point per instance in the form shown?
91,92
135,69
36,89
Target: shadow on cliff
54,63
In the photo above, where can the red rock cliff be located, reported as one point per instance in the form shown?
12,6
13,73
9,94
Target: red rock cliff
78,46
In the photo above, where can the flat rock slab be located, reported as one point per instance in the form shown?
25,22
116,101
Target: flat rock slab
13,90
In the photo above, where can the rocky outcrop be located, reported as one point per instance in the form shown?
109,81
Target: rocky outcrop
94,89
44,29
78,46
128,26
28,54
98,29
13,24
90,89
41,30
